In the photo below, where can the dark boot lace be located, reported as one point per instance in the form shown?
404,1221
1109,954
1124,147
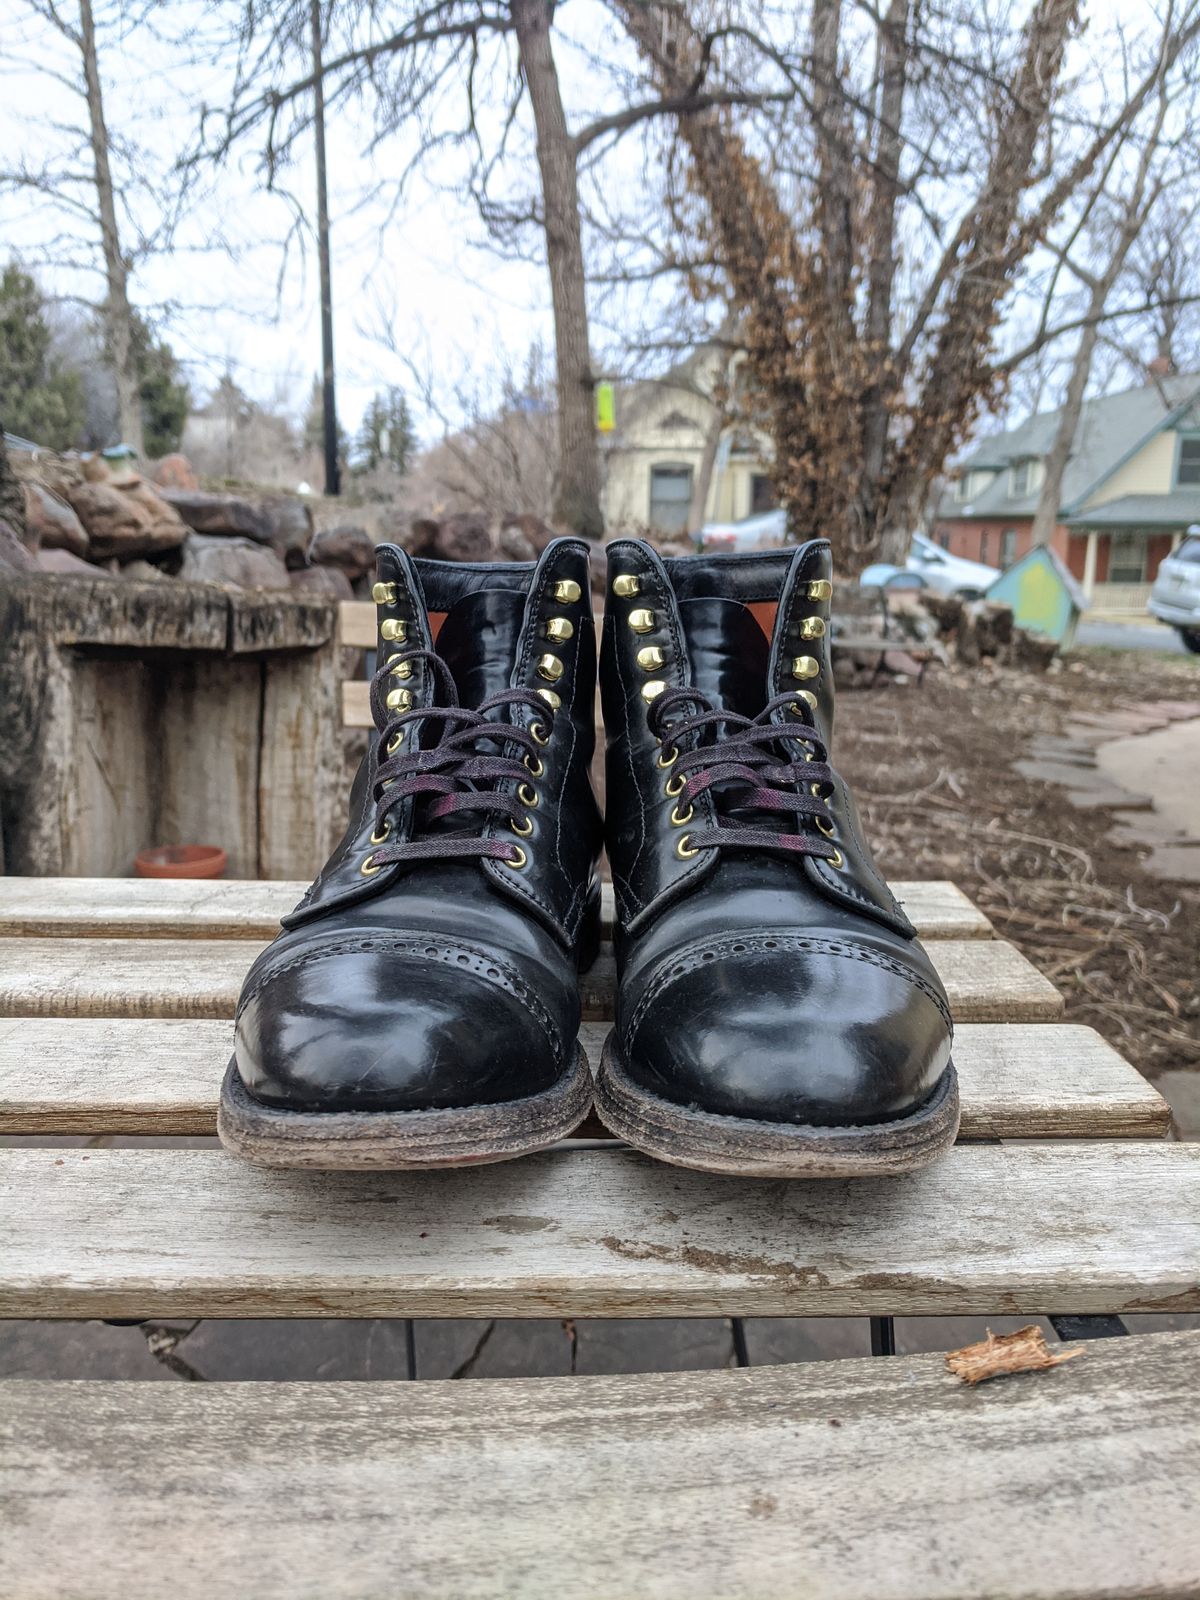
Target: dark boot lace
452,778
742,760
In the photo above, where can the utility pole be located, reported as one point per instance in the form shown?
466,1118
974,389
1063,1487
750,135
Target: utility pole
333,473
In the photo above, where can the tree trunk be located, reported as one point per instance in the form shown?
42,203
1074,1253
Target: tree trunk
118,319
577,501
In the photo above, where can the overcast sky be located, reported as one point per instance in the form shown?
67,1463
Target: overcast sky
421,272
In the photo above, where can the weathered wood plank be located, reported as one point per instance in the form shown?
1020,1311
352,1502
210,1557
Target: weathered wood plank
105,1075
176,908
358,624
991,1228
356,703
751,1483
987,980
145,908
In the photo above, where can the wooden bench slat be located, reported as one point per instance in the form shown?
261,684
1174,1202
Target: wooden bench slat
991,1228
835,1478
240,908
987,980
123,1075
358,624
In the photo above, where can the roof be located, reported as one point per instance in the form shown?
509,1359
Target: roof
1178,510
1111,429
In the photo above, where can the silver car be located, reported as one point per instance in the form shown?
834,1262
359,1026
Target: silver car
1175,597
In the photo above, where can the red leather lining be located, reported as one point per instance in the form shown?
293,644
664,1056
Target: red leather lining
764,613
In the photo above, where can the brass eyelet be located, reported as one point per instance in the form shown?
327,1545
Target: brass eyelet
671,759
809,699
814,789
539,769
528,796
674,786
678,821
518,858
524,832
837,859
683,848
370,867
823,825
394,743
378,838
540,733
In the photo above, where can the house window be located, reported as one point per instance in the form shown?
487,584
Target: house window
1008,547
962,487
1127,558
670,498
1021,476
1187,469
983,545
762,494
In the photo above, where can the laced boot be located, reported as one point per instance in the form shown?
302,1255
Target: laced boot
421,1008
776,1015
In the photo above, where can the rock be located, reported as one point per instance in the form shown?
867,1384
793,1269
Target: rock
95,470
176,472
237,562
143,572
51,523
322,583
537,533
14,557
984,631
125,524
347,547
464,537
512,545
219,515
1031,652
66,565
290,528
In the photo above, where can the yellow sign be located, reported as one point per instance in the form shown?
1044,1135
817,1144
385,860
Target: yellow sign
606,408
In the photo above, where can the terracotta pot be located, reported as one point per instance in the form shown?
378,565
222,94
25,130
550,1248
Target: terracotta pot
181,861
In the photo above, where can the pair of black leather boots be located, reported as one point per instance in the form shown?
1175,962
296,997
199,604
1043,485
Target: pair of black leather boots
775,1013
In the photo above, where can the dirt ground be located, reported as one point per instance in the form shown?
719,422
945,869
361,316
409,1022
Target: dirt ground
932,770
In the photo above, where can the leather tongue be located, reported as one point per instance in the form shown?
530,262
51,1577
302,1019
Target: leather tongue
729,652
478,642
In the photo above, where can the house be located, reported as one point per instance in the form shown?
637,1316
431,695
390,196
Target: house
671,463
1130,492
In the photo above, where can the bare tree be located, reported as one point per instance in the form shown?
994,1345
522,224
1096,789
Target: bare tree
72,175
1117,221
869,238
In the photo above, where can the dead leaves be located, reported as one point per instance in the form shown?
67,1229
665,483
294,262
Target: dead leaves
1000,1354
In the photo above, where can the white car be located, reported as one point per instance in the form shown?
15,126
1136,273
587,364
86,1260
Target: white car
760,532
940,570
1175,597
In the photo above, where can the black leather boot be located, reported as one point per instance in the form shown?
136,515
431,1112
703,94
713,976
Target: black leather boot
421,1008
776,1014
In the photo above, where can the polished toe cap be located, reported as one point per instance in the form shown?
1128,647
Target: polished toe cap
387,1026
800,1031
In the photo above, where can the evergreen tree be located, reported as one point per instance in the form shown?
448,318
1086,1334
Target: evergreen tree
166,398
40,399
387,437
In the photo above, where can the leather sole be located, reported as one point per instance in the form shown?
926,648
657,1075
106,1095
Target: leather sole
398,1141
746,1147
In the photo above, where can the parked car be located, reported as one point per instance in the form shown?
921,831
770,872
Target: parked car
941,571
1175,597
759,532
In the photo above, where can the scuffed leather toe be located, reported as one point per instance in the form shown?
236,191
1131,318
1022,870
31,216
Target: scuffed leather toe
788,1030
385,1025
